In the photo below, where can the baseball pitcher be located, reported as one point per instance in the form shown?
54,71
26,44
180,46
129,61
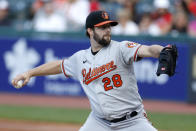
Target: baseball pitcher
106,73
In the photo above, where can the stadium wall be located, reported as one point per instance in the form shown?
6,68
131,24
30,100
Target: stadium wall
18,54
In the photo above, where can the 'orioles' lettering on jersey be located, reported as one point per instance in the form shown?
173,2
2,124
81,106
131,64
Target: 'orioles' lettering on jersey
97,72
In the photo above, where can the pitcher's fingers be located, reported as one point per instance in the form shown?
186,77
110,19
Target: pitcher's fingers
16,80
25,81
13,82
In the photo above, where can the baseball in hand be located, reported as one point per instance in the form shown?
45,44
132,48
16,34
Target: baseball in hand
19,84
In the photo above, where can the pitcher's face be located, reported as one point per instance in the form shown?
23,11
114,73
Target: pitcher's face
102,34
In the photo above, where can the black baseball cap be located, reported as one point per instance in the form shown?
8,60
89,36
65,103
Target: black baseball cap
99,18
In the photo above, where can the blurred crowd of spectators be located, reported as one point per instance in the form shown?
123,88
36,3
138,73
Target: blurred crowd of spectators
147,17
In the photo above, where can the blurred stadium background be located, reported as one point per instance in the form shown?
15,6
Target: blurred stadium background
33,32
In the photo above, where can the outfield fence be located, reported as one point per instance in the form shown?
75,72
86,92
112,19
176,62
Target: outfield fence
23,51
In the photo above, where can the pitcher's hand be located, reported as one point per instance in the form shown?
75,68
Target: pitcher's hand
25,77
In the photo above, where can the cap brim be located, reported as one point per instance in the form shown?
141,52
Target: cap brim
112,23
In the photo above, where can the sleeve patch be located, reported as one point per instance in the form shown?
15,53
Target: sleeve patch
131,44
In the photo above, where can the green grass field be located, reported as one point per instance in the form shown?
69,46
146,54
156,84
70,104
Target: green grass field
162,121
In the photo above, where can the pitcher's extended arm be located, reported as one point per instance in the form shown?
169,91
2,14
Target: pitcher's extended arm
50,68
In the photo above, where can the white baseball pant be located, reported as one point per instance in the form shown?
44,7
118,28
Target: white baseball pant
136,124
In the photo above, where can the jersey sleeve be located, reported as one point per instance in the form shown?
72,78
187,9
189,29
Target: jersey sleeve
68,66
128,51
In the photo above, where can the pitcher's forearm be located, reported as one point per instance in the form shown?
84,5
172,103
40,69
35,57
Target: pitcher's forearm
150,51
155,50
50,68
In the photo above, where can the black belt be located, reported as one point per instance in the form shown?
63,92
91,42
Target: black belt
134,113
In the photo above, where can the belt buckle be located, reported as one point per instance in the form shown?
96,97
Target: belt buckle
128,115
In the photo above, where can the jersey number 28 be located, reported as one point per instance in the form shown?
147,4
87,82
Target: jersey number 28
116,79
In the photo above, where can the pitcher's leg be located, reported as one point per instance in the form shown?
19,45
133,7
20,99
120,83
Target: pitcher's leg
141,124
92,124
144,125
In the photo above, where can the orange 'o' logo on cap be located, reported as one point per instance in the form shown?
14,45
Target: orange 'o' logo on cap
105,15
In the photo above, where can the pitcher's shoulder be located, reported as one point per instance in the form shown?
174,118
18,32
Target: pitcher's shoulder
113,42
81,53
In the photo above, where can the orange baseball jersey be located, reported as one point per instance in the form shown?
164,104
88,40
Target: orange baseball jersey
107,78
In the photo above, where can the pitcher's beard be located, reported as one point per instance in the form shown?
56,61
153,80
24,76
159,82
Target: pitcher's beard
102,41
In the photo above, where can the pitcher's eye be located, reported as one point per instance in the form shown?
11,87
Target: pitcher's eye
104,26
